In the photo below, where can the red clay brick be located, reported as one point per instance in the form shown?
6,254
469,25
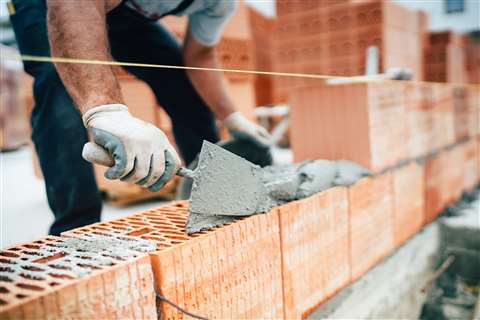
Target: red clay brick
33,285
471,172
371,227
228,272
408,201
314,235
436,185
361,122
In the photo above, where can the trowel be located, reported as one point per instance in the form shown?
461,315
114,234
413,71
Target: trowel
224,184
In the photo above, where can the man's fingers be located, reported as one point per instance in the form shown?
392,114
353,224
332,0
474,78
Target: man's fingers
94,153
158,167
140,170
115,148
170,170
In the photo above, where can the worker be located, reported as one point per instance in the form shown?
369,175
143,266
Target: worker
70,98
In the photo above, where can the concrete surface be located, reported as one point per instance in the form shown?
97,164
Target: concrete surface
24,211
391,290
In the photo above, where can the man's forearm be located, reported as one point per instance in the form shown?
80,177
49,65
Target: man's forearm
211,85
77,29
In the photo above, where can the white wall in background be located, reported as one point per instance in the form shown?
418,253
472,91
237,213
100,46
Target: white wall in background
439,19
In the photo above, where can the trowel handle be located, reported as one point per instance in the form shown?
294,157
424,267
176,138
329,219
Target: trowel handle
95,153
186,173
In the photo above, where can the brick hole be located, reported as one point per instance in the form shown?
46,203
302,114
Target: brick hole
7,261
83,265
31,246
84,257
24,259
2,302
21,296
98,233
29,287
15,249
176,242
60,276
31,277
6,269
101,228
59,267
175,237
138,224
118,223
4,290
51,258
5,279
39,242
112,257
162,246
141,231
9,254
53,284
32,268
32,253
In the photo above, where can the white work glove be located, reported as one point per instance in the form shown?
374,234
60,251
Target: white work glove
140,152
242,128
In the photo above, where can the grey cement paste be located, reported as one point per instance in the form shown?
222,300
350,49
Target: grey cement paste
229,184
77,256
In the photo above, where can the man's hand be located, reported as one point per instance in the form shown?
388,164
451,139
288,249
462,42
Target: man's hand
241,128
141,152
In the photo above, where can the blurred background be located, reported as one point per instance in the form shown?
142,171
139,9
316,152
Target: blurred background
429,40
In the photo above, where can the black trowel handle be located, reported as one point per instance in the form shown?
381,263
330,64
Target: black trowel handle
96,154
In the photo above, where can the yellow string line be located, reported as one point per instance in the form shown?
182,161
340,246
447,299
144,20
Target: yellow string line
241,71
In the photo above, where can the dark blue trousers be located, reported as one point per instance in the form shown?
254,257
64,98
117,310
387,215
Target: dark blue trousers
57,129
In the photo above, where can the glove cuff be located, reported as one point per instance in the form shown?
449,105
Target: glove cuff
232,119
95,111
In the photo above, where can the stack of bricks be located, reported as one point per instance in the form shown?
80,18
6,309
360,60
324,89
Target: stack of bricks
446,57
282,264
380,124
332,37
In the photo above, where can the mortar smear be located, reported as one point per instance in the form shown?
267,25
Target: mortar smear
282,184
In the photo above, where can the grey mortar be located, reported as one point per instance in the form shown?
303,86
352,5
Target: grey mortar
276,185
77,256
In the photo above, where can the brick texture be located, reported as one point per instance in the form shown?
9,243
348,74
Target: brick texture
228,272
35,285
371,231
408,201
361,122
314,235
436,185
471,169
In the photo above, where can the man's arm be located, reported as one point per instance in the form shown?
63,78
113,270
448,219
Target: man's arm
77,29
211,85
140,152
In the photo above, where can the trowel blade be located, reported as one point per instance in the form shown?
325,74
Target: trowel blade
226,184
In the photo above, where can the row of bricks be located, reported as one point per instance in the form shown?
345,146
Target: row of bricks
380,124
281,264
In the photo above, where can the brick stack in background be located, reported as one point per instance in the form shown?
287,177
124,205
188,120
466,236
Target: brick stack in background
331,38
446,57
14,124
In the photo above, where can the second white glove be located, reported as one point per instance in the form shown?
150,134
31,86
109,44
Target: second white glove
242,128
141,152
